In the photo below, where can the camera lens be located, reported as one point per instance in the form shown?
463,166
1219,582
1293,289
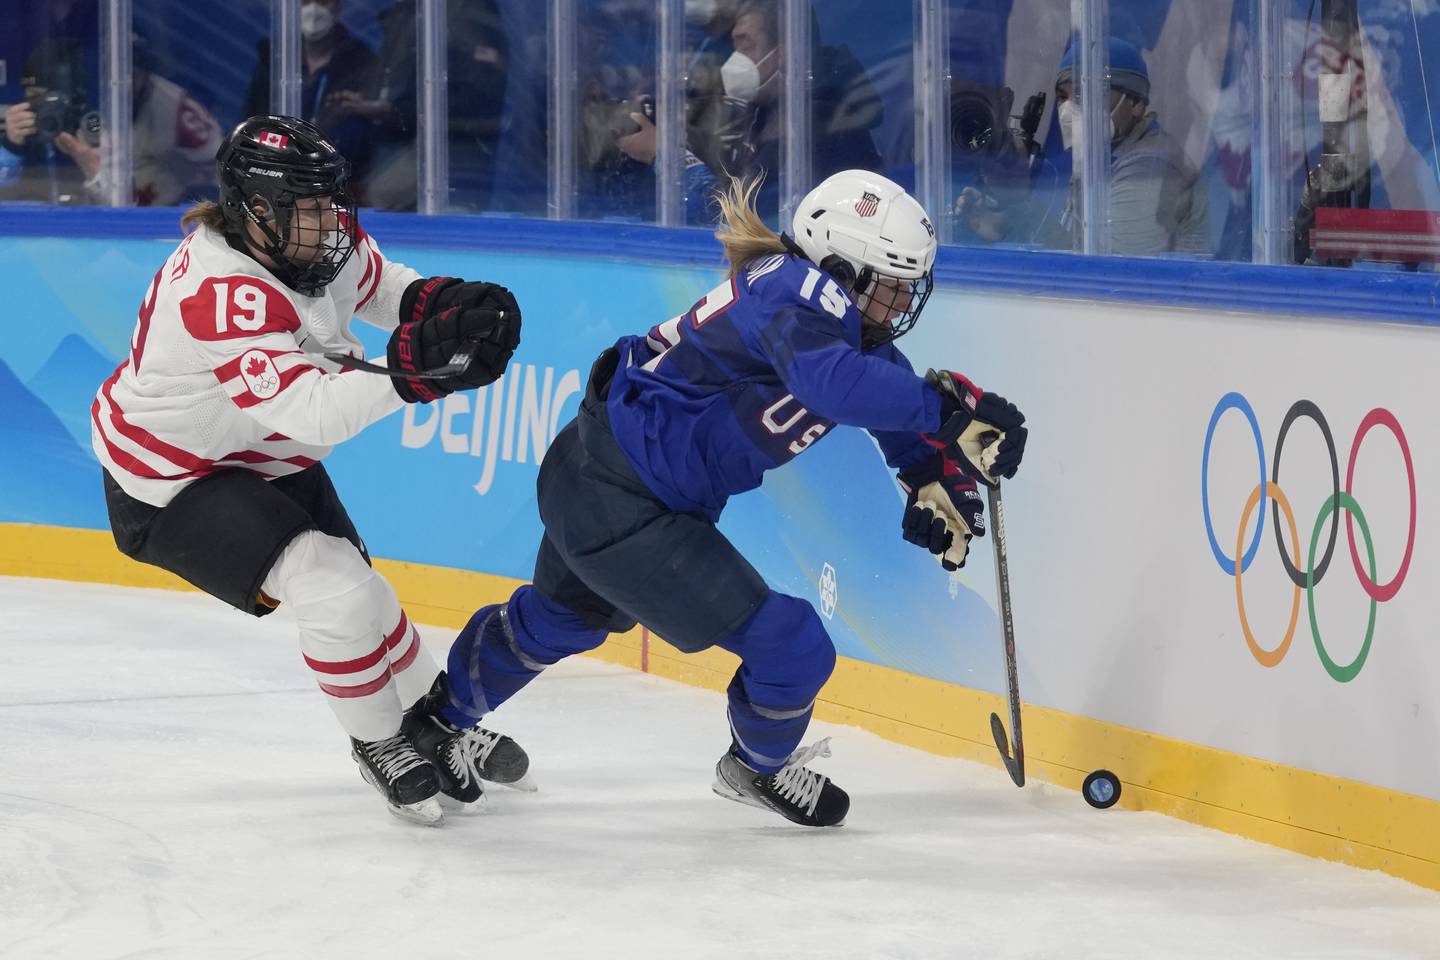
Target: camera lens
50,113
972,123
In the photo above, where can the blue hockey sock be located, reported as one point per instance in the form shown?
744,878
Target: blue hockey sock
504,647
786,657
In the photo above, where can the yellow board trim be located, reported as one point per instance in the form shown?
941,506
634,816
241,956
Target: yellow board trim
1310,813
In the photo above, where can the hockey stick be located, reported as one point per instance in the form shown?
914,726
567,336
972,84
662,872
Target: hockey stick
1014,760
458,364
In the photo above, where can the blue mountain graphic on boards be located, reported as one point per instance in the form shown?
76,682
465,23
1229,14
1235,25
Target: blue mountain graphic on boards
67,382
47,477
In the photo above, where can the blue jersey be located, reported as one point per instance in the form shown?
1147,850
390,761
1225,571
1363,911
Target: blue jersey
751,376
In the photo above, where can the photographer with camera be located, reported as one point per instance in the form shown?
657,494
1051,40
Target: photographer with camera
736,130
1158,203
39,132
618,137
173,137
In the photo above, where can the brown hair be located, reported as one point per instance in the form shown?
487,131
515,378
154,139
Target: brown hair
744,235
206,213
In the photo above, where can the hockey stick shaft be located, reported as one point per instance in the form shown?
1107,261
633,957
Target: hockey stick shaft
458,364
1012,749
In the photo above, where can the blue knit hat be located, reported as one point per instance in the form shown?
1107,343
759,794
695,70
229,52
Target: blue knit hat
1127,67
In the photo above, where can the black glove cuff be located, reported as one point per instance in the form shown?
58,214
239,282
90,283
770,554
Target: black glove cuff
420,298
403,353
957,405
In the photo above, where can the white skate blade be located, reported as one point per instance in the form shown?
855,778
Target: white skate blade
724,789
525,784
465,809
427,812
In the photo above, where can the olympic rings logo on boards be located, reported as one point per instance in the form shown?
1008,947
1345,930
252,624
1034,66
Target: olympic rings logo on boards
1307,580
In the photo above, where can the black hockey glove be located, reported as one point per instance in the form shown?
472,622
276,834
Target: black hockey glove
943,509
981,431
438,316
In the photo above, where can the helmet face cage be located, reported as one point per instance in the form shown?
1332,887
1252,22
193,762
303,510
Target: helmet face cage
307,255
281,176
900,301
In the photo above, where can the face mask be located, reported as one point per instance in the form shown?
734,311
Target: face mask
740,76
1071,127
316,20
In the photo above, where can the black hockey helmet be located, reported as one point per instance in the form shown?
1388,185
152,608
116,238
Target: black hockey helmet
270,167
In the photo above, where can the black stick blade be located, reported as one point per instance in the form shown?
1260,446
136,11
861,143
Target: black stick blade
1002,743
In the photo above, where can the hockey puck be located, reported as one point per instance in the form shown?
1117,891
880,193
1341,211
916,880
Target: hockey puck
1101,789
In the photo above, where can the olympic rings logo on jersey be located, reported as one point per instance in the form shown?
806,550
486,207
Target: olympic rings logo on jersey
1338,500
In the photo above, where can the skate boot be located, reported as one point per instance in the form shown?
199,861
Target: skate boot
461,757
796,793
404,778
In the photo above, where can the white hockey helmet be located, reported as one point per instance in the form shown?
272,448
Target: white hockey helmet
859,227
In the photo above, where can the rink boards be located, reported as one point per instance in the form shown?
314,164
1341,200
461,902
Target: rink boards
1269,704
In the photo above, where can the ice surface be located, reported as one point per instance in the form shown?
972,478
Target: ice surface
172,785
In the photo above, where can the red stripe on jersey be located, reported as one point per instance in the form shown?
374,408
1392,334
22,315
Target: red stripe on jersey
276,436
122,459
230,369
375,285
147,309
196,466
148,441
193,465
248,399
363,690
369,269
354,224
255,456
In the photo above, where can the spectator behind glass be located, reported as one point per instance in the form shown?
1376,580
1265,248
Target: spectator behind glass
477,61
1158,203
332,62
33,165
174,138
844,106
616,77
708,46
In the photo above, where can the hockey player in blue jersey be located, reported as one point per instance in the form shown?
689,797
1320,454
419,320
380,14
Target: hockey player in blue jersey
799,338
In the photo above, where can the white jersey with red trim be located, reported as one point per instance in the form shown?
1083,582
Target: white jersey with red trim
226,369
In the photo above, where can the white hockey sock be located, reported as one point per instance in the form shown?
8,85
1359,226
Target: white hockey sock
344,608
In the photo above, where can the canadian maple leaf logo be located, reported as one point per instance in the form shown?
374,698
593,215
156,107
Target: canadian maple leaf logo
255,367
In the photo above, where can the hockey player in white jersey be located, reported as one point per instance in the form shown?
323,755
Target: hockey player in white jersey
212,430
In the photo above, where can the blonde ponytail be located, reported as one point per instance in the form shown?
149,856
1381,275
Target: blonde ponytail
744,235
206,213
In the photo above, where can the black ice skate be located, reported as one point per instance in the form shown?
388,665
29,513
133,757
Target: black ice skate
463,758
796,793
403,777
